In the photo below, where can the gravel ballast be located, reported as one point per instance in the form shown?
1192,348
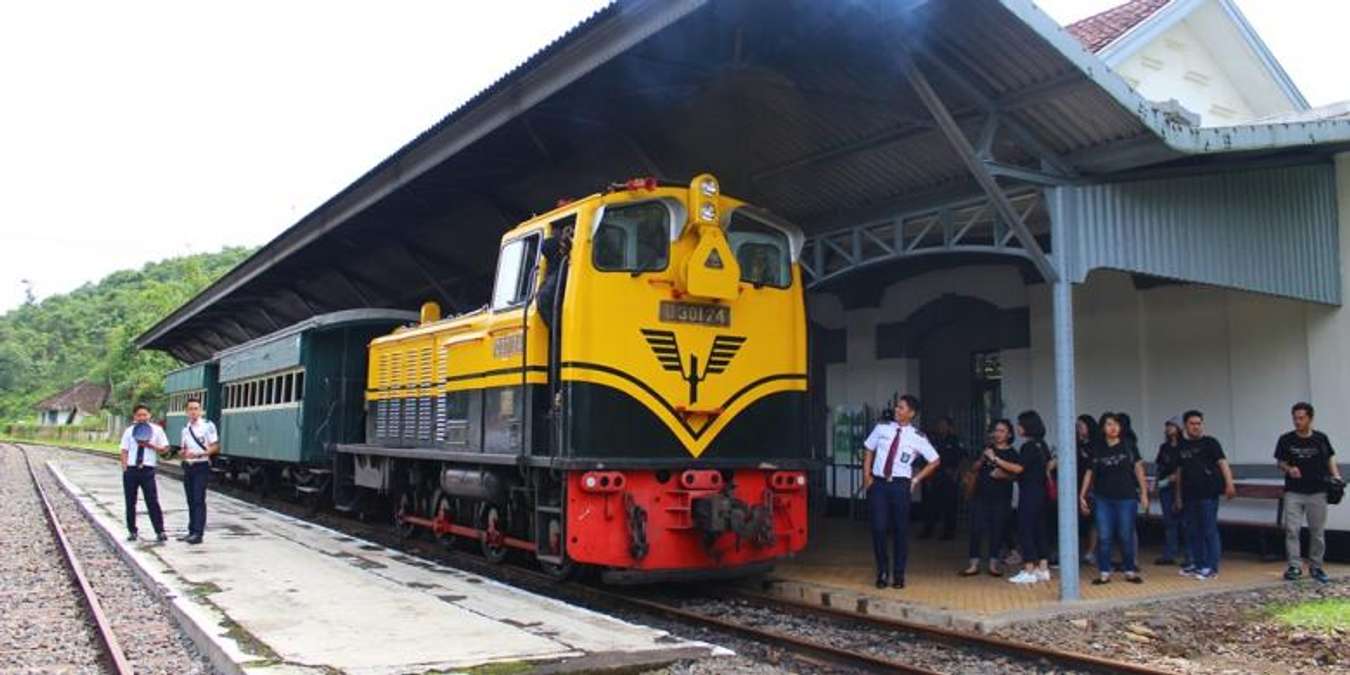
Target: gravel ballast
140,618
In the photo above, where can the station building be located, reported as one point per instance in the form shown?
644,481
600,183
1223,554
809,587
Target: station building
1139,213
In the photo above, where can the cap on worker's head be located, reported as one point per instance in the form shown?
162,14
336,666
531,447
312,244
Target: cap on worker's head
1175,421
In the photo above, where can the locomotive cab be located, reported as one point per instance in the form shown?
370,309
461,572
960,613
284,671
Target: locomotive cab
633,397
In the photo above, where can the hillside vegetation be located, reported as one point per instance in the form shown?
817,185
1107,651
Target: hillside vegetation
87,333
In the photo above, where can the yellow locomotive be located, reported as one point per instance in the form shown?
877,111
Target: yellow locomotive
633,397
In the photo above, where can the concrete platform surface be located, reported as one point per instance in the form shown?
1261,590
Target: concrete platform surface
837,569
271,594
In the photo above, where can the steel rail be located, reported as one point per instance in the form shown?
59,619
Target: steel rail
111,647
803,649
1024,650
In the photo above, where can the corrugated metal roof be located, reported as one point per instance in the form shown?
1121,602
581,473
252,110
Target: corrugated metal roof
1271,231
799,106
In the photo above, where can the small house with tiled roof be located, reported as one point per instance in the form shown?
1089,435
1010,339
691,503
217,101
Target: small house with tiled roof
72,406
1202,54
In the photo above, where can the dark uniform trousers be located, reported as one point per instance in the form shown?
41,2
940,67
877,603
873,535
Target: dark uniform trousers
889,501
194,486
143,478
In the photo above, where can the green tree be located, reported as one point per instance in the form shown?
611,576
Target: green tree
46,346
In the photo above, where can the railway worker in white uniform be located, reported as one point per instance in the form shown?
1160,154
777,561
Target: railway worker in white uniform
889,480
142,443
199,443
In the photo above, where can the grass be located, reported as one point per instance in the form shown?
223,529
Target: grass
1325,614
101,446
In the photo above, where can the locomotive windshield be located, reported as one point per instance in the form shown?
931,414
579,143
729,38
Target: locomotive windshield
633,238
515,271
761,251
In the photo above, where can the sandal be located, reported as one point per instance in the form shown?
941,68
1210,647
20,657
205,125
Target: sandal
995,572
969,572
1134,578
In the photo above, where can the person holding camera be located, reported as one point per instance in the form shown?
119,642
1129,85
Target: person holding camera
991,501
1308,462
142,443
199,443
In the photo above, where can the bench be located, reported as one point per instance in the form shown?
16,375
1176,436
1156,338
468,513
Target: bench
1258,506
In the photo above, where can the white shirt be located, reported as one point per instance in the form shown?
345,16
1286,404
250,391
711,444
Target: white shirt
206,431
150,456
913,445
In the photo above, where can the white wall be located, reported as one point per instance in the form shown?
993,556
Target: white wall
1203,62
1241,358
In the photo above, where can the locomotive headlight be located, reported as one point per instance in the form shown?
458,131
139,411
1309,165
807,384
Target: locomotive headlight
707,186
590,481
707,212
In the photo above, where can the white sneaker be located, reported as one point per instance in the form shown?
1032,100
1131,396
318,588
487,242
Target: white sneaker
1042,575
1024,577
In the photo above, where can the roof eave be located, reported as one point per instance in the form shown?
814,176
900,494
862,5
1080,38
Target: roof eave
1182,139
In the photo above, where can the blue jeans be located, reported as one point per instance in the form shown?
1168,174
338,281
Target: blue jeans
1202,530
1115,524
889,504
194,486
1173,524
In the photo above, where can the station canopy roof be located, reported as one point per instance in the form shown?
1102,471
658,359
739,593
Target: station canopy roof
799,106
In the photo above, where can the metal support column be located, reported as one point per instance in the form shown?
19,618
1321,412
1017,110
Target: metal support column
1066,436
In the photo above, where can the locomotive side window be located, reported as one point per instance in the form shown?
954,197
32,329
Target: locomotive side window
761,251
515,271
632,238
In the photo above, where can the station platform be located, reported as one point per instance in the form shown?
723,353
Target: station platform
267,594
837,569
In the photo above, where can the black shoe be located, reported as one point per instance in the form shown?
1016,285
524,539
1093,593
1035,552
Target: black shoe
160,536
131,537
184,537
881,582
1319,575
1293,573
898,583
194,539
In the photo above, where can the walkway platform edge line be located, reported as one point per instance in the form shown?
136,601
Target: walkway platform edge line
224,653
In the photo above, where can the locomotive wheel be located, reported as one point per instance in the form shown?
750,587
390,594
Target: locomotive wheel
560,572
493,550
444,509
406,507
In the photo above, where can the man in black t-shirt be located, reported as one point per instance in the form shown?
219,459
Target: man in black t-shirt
1307,460
941,494
1204,475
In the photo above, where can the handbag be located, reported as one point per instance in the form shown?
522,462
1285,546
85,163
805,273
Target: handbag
1051,488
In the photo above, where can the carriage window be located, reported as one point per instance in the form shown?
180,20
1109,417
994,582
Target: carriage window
515,271
632,238
761,251
300,386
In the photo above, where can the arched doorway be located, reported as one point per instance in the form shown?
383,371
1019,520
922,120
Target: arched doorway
957,341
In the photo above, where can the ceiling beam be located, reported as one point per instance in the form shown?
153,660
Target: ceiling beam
1002,205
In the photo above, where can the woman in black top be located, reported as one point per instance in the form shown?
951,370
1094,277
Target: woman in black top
998,466
1088,435
1166,465
1117,484
1031,499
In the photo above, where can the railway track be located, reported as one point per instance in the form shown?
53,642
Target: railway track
112,650
715,609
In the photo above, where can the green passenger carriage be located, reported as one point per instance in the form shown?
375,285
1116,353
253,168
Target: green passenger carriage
288,397
198,381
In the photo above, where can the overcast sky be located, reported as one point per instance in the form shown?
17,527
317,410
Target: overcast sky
134,131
